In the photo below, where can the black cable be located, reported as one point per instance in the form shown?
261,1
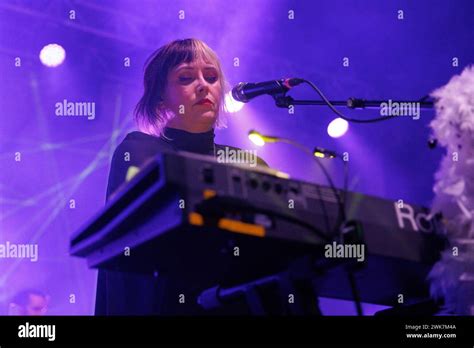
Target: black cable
355,293
341,210
351,276
341,214
337,112
354,289
323,210
346,183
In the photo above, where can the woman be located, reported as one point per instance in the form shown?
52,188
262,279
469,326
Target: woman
179,110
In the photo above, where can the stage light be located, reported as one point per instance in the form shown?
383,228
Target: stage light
324,153
256,138
52,55
338,127
319,154
260,139
231,105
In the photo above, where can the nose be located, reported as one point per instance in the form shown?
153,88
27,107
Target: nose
202,86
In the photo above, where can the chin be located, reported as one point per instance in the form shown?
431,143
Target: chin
209,117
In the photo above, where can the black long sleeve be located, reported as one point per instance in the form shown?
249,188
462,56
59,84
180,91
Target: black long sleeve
121,293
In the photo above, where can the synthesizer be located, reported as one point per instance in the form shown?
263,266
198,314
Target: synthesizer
216,223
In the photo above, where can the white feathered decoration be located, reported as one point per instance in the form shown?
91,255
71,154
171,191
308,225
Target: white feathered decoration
452,278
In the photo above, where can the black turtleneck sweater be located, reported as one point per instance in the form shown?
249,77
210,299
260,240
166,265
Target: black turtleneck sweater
202,143
138,147
133,294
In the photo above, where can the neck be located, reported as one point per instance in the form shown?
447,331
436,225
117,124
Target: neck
191,128
199,142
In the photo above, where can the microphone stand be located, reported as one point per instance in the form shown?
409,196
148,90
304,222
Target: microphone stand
284,101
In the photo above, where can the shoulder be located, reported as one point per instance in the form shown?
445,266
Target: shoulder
140,139
137,147
135,150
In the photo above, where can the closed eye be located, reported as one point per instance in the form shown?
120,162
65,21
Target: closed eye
188,80
212,79
185,80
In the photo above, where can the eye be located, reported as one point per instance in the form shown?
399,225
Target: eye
212,79
185,79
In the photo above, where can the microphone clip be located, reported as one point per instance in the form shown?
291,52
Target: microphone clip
282,100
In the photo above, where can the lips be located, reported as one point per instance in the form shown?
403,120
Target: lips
205,101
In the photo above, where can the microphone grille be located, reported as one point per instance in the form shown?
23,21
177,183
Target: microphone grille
237,92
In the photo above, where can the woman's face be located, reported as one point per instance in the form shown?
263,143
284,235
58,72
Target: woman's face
193,94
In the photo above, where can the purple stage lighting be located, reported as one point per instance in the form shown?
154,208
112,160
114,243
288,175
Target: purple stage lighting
337,127
232,105
52,55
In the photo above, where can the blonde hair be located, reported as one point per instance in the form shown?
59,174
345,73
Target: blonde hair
151,118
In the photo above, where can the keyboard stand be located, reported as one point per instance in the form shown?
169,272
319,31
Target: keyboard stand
291,292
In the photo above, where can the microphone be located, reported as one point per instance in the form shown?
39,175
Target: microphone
244,92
